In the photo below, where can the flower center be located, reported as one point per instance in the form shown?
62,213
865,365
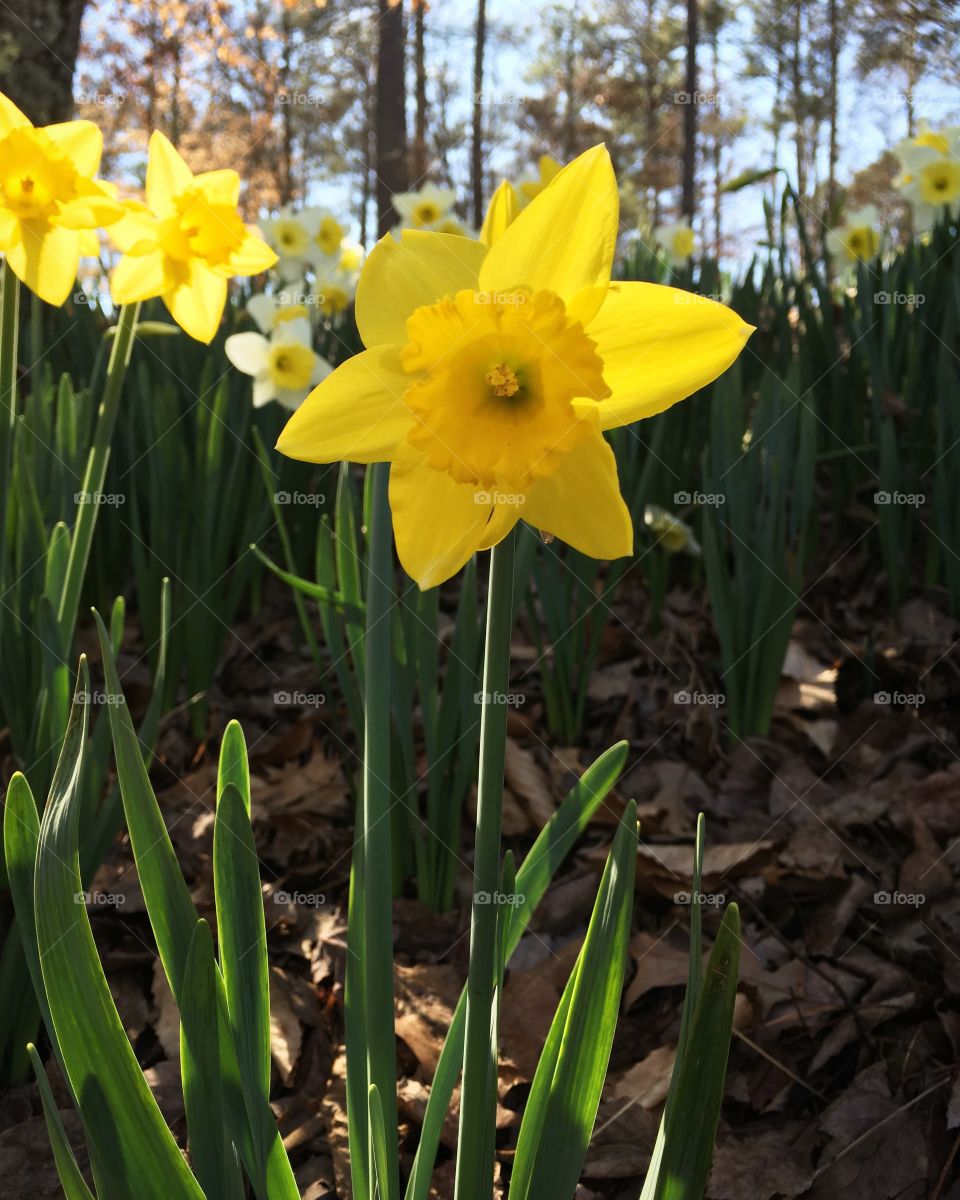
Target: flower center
329,235
940,182
199,229
683,243
426,212
34,175
502,380
495,377
290,237
334,300
290,365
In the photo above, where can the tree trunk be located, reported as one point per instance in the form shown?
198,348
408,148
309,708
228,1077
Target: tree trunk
476,158
39,42
420,71
391,122
834,106
717,148
688,202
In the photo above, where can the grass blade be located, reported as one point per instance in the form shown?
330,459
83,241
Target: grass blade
71,1180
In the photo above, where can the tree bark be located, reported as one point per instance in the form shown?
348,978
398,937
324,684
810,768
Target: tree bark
476,156
688,199
39,43
834,154
391,121
420,72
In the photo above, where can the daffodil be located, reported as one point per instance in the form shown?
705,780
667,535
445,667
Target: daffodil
672,534
326,237
492,372
424,209
284,366
857,238
50,203
930,179
185,242
270,311
290,235
677,242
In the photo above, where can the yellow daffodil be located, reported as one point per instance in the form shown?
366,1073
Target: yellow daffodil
857,238
492,371
185,242
50,203
676,241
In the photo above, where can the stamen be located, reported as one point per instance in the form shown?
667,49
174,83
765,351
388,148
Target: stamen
502,380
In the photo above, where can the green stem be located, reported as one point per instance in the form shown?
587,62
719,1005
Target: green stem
478,1097
377,947
96,472
9,319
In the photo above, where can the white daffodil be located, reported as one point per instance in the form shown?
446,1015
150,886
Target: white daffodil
677,242
672,534
425,208
271,310
856,238
284,366
291,237
326,237
930,179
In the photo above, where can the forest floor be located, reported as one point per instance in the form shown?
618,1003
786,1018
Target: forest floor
838,834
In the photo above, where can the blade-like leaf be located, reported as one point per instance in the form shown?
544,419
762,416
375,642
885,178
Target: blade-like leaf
125,1128
565,1095
71,1180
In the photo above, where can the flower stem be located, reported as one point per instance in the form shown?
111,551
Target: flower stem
377,947
96,472
9,328
478,1098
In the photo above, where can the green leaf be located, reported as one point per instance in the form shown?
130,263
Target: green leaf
691,1128
547,853
378,1139
211,1149
72,1181
565,1095
233,766
125,1128
243,960
746,178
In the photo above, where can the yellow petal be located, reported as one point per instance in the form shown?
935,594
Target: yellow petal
659,344
167,174
501,212
197,305
138,230
399,277
9,229
357,413
220,187
580,503
81,142
89,211
11,117
437,523
46,260
564,239
89,243
138,277
252,256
